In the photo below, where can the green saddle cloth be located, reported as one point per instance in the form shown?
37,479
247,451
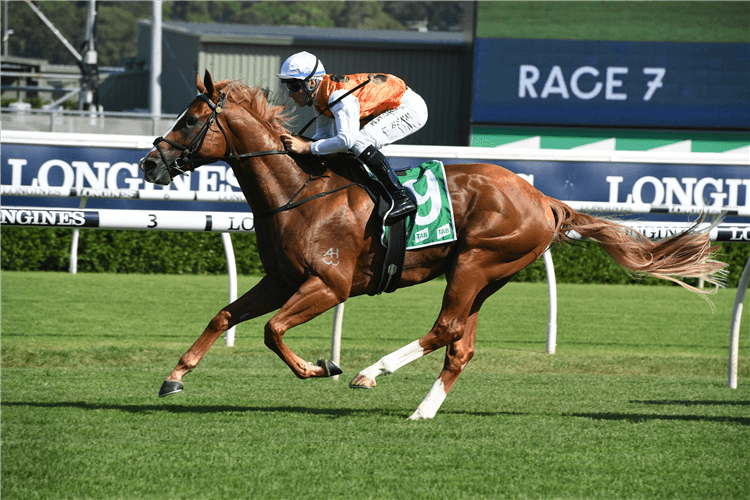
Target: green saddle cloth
433,223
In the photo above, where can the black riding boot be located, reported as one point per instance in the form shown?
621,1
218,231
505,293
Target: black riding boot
403,204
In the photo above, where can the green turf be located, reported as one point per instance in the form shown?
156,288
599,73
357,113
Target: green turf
634,404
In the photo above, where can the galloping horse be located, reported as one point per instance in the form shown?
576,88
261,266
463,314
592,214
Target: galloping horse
303,206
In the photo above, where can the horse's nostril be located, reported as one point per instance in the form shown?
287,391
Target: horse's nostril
145,164
154,172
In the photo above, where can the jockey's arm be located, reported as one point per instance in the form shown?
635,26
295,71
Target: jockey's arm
340,135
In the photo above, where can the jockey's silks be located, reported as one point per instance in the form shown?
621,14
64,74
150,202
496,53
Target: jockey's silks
382,93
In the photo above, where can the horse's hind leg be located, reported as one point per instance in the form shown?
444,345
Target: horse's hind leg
457,356
448,328
263,298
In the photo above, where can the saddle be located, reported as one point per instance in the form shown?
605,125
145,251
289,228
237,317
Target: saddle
433,225
395,242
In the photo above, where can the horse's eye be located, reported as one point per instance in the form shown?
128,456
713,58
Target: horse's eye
191,120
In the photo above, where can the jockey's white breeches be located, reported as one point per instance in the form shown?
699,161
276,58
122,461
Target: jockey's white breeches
394,124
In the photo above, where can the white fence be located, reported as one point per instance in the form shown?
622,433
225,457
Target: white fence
154,220
136,220
226,222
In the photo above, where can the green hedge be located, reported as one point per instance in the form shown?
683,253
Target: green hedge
146,252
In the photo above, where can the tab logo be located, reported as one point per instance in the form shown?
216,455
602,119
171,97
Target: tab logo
444,231
421,235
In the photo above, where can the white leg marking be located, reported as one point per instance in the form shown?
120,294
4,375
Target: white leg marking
431,404
395,360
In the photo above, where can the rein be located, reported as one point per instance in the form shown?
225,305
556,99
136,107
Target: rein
186,159
186,152
293,204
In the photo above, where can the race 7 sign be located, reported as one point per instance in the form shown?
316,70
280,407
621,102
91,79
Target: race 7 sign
584,83
648,84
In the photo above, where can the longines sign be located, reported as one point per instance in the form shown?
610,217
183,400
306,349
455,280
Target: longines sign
71,172
51,170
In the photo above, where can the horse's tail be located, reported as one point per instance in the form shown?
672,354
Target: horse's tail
685,255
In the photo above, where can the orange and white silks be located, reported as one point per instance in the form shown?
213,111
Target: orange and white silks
384,92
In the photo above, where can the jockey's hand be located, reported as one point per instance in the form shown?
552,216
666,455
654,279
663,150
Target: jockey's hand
296,145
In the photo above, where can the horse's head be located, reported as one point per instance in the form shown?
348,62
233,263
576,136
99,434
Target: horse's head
196,138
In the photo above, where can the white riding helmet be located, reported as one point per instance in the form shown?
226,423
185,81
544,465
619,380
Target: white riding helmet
301,66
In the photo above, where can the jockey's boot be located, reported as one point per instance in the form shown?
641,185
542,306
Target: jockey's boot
403,204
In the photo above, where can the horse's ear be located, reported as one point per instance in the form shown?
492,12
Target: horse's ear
199,83
208,84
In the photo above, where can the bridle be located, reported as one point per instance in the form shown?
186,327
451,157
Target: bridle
185,162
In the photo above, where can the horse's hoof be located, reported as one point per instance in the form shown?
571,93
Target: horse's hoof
418,415
362,382
170,387
330,368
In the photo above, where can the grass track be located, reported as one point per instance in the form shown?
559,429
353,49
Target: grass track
633,405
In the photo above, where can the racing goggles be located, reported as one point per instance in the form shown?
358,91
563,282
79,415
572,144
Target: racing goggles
295,85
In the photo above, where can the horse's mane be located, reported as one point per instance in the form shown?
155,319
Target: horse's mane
256,101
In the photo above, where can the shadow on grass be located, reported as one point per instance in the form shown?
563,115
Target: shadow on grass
678,402
178,409
639,418
348,412
203,409
196,409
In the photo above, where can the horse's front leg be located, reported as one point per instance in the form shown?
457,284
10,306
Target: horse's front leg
313,298
268,295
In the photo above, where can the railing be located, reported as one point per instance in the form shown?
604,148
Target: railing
615,161
154,220
85,122
226,221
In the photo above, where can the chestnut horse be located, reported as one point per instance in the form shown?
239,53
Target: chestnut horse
304,207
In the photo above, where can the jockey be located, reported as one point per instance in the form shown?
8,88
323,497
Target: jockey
359,113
